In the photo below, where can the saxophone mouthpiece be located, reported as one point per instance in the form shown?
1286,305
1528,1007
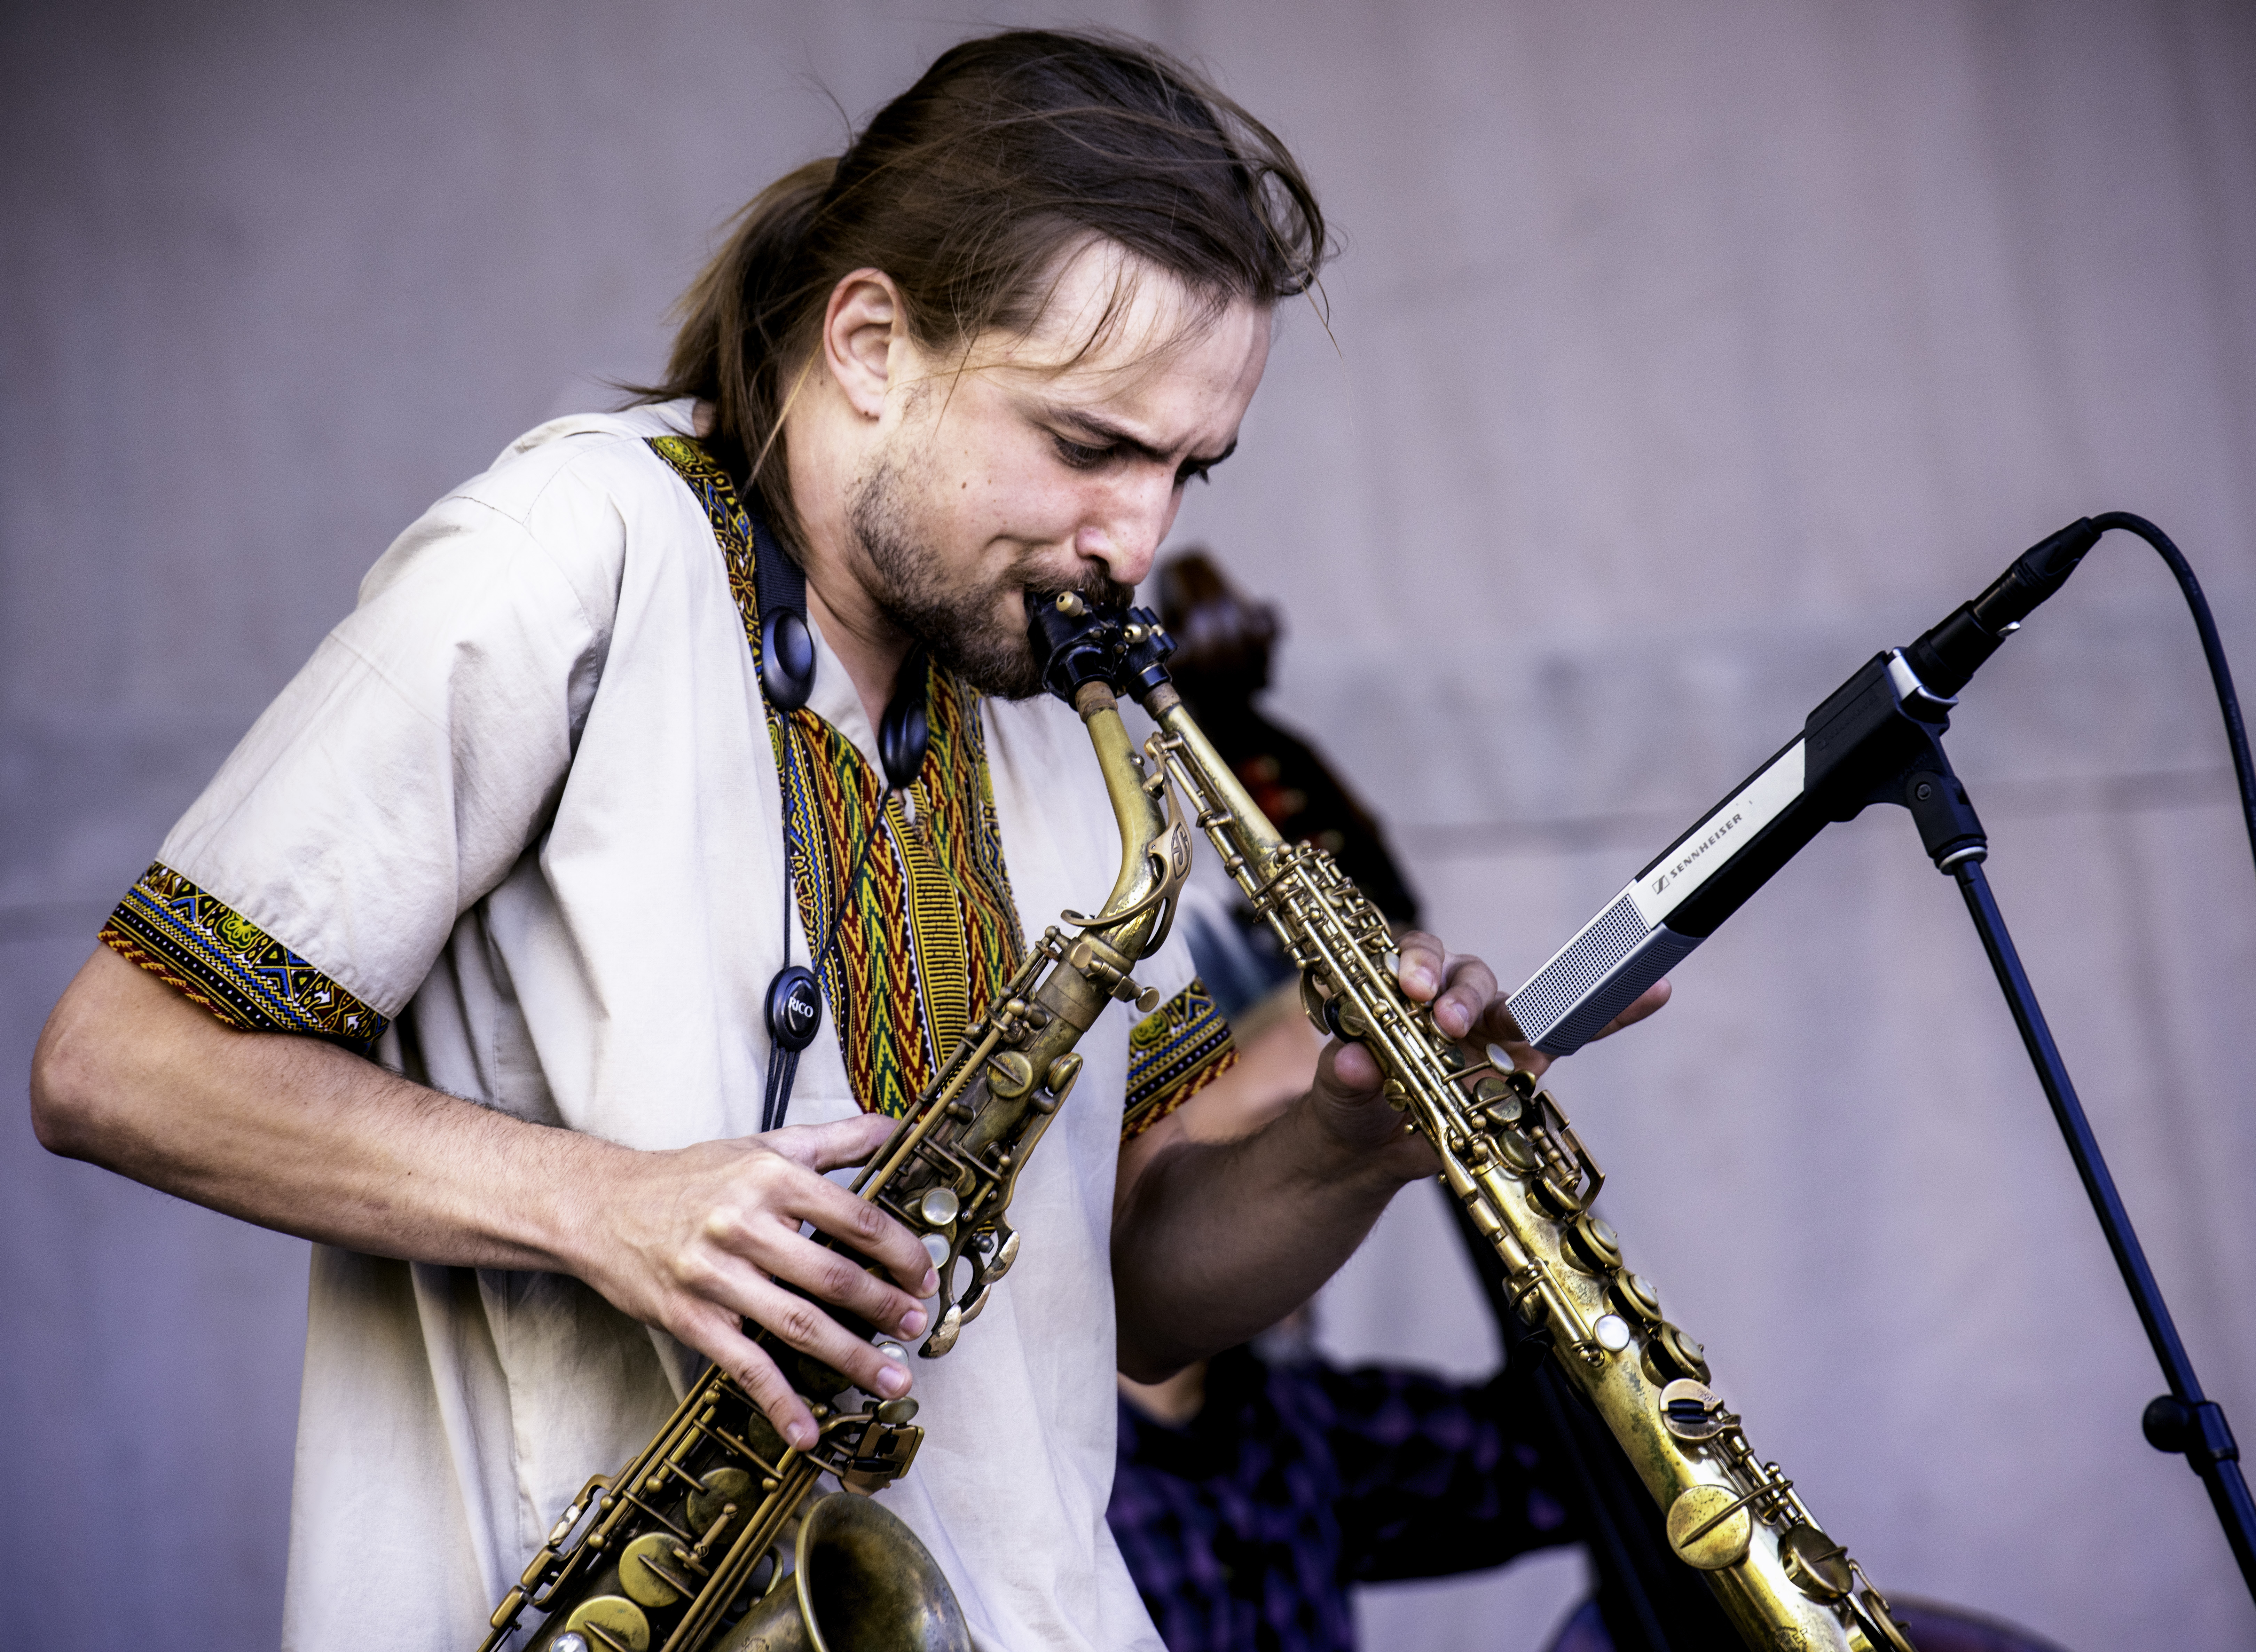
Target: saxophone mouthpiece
1074,643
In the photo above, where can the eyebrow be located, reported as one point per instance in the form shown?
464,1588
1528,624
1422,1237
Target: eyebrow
1111,435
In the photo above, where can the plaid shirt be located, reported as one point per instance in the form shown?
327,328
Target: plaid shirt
1243,1529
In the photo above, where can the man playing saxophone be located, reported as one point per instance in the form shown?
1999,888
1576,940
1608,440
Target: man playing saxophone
466,967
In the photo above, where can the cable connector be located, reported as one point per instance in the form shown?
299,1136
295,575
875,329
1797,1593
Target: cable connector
1951,652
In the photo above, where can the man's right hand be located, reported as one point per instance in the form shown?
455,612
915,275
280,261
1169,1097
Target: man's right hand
298,1136
697,1239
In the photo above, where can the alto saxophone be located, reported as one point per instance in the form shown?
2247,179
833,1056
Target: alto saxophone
1509,1154
682,1548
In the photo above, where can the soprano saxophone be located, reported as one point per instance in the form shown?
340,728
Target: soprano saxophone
1509,1154
684,1548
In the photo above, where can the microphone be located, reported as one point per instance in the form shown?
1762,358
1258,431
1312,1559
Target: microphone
1878,723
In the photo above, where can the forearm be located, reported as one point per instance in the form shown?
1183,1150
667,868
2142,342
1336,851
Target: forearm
1216,1241
297,1134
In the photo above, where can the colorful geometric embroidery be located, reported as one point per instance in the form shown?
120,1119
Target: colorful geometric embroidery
214,956
1174,1053
927,931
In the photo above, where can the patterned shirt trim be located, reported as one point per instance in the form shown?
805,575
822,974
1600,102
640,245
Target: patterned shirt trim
927,930
1174,1053
214,956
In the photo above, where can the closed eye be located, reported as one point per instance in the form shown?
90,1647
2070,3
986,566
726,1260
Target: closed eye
1083,455
1077,455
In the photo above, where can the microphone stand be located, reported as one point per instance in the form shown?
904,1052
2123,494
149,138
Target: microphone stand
1879,739
2184,1420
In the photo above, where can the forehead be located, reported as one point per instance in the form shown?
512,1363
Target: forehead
1121,334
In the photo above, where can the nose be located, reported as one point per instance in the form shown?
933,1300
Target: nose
1127,522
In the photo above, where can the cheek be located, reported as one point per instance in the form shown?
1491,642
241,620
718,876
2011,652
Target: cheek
1022,498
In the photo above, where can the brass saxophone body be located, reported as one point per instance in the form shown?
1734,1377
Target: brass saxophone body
1510,1156
685,1547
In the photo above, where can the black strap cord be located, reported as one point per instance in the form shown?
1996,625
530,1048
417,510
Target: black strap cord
787,674
2236,731
792,981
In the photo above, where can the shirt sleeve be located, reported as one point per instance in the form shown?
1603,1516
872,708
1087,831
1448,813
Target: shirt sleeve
1432,1480
1174,1053
400,774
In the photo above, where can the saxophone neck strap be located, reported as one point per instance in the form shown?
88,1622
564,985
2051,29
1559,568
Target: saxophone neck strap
793,1008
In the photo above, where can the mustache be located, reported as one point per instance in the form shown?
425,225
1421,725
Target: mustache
1098,589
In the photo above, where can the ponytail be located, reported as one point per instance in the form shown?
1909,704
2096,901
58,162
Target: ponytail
735,338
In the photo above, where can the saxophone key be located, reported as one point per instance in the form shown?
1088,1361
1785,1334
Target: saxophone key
1592,1245
717,1491
647,1574
609,1620
1819,1567
1516,1153
1009,1075
1003,1257
1709,1528
1692,1410
944,1334
1639,1295
1881,1621
1494,1101
1559,1192
1669,1355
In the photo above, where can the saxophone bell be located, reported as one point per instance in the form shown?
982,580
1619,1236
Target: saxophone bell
860,1579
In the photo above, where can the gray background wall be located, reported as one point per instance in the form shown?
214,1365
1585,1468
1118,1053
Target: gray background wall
1685,354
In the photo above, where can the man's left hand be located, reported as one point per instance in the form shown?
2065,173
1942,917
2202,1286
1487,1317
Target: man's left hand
1467,1007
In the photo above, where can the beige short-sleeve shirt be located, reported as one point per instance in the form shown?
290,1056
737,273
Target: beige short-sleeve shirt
521,809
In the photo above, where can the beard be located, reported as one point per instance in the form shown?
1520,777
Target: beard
961,623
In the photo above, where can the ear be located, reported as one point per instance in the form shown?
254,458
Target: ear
864,317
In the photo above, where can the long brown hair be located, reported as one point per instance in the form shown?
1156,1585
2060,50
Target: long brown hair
969,190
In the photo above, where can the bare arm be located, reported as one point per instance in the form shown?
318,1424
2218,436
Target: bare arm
1216,1238
297,1134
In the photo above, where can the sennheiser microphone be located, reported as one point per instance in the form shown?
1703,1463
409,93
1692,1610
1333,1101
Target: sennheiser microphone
1879,722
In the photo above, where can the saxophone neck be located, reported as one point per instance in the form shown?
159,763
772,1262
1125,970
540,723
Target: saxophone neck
1091,655
1155,851
1252,833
